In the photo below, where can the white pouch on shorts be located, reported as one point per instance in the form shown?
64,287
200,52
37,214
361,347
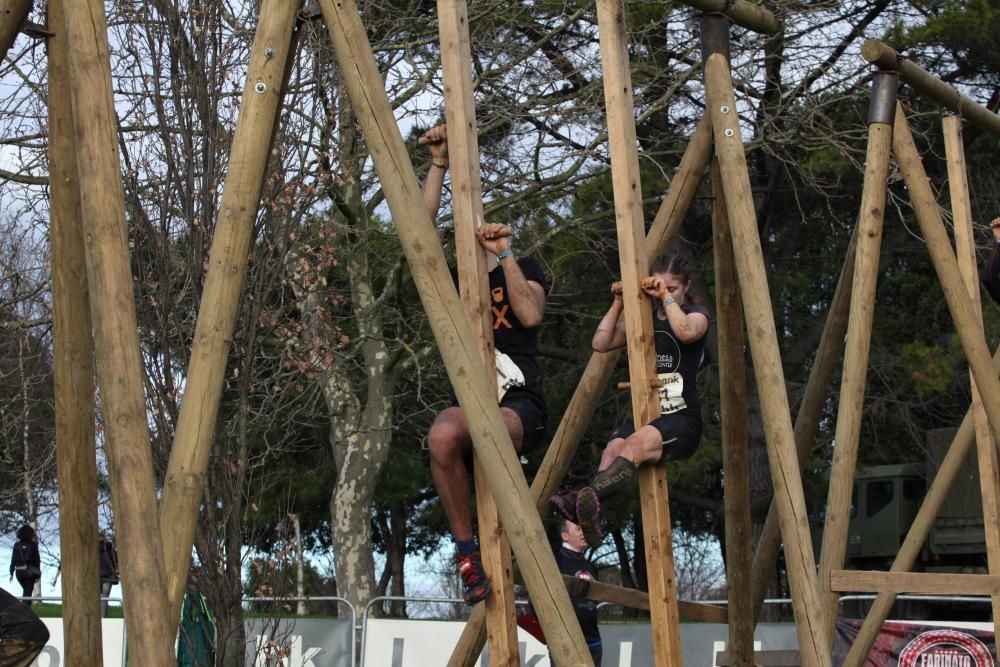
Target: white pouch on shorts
508,373
671,393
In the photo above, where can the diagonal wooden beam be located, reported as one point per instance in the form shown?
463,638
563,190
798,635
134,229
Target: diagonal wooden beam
474,389
116,335
767,363
184,483
946,266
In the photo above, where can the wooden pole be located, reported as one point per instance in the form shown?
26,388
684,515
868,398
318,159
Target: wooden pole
925,583
957,296
732,407
475,391
183,488
626,184
859,329
742,13
807,420
473,280
599,369
915,537
965,250
925,83
767,364
12,17
119,366
73,352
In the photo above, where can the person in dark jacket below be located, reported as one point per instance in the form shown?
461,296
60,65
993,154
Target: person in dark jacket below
991,272
679,328
107,560
25,563
570,559
22,633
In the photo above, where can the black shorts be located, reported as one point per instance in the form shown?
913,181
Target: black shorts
531,409
681,435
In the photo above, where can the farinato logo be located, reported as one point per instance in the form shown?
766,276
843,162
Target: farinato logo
945,648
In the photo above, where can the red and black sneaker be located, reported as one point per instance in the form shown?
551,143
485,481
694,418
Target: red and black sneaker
565,504
475,586
588,514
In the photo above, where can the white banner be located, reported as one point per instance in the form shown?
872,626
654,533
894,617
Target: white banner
113,643
392,643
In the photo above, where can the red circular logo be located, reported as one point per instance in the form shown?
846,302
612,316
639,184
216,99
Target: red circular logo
945,648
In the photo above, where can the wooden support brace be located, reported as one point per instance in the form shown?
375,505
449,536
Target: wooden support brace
73,361
183,488
475,390
921,583
859,329
767,364
732,406
116,337
625,177
965,251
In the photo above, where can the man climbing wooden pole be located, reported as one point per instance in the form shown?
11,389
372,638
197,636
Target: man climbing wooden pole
474,389
474,290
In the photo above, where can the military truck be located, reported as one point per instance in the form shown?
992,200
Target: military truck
885,502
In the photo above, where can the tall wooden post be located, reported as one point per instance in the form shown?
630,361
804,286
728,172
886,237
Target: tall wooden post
859,329
965,250
467,202
915,537
946,266
625,178
475,390
599,369
732,406
73,352
119,367
184,484
813,645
